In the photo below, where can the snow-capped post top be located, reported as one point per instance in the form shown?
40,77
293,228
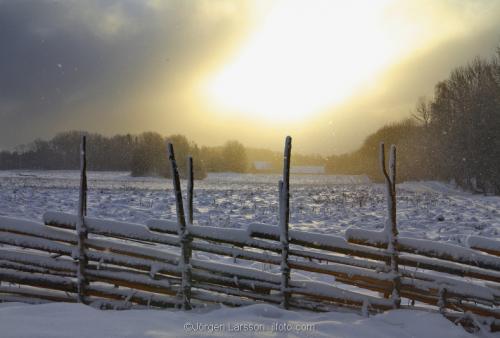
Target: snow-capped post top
382,161
190,187
392,168
177,188
82,210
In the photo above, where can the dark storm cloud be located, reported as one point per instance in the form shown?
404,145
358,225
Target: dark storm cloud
72,64
62,59
45,54
51,57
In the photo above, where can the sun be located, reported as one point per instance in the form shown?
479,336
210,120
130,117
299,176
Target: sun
306,56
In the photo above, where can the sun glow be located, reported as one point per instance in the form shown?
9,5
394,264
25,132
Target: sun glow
305,57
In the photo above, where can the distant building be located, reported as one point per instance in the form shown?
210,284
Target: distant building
262,166
308,169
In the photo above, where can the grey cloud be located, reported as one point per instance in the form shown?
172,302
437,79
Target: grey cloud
62,59
84,64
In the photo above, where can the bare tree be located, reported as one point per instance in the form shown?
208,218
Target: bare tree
423,111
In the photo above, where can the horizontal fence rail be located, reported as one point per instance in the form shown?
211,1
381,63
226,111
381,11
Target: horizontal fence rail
178,264
142,260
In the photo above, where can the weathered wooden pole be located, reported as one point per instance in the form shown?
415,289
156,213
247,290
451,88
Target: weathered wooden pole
442,300
284,220
190,187
80,228
390,228
185,260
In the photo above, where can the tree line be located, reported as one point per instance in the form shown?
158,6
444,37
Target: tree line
143,155
453,136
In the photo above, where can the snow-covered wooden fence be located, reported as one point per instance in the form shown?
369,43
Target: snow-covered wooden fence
158,264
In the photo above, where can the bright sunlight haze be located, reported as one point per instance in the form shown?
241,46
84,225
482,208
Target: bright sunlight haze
304,59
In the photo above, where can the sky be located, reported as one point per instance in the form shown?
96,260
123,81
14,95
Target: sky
328,73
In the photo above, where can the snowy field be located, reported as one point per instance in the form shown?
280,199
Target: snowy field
323,204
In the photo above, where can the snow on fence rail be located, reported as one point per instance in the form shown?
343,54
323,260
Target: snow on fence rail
124,265
484,244
427,248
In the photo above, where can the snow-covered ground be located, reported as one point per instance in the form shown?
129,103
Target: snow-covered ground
73,320
323,204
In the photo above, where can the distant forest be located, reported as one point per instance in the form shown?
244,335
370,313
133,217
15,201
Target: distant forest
453,136
143,155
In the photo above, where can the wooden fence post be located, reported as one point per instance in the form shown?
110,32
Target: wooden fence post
284,220
442,300
190,187
390,228
80,228
185,259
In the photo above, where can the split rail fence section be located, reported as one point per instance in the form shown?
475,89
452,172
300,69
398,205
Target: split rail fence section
110,264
